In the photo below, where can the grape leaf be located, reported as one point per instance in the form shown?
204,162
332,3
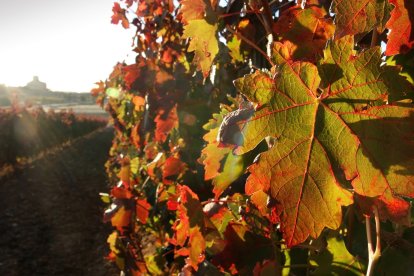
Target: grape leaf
308,29
326,123
336,259
401,35
120,192
119,15
188,200
142,209
236,52
172,168
358,17
121,220
112,241
197,246
165,121
220,164
203,43
406,64
388,206
192,9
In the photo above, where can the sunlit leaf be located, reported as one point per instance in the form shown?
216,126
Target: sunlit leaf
401,35
142,209
357,17
336,259
119,15
122,219
165,122
203,43
324,125
307,29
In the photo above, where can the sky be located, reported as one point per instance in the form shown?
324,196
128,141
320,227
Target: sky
69,44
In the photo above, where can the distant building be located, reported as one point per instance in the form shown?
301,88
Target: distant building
36,85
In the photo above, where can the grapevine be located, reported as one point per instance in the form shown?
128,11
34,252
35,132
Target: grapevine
262,137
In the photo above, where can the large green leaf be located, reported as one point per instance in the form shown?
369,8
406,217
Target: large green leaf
331,124
358,17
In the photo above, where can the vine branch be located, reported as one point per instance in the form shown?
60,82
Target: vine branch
267,16
251,43
373,256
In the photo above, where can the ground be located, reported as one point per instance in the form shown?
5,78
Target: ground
51,213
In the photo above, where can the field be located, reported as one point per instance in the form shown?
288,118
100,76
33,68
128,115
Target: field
42,230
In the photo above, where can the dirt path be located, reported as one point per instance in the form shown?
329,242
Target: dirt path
51,214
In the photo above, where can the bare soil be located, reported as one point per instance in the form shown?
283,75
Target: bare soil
51,213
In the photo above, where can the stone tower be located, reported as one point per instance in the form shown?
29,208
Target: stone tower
36,84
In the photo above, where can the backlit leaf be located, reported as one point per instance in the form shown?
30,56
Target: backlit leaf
326,122
192,9
308,29
173,167
142,209
121,220
358,17
336,259
236,52
165,121
203,43
197,246
119,15
401,35
220,164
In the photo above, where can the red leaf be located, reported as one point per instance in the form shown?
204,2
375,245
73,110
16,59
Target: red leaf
401,35
119,15
165,121
142,209
172,167
389,207
121,193
132,72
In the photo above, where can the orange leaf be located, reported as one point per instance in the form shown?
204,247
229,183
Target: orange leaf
121,220
183,251
401,35
192,9
139,103
307,29
183,226
119,15
197,246
124,174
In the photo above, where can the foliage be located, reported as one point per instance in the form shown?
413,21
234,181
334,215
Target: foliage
254,137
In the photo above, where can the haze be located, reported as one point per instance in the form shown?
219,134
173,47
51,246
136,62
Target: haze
69,44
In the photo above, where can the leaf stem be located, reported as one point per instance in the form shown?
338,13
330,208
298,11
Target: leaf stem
298,266
374,39
373,255
267,16
251,43
224,15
